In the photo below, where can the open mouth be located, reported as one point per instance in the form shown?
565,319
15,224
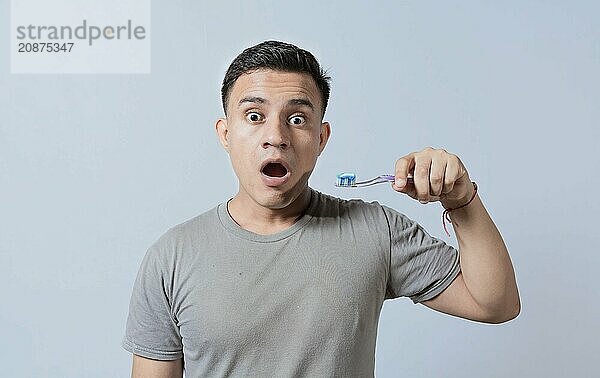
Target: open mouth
274,170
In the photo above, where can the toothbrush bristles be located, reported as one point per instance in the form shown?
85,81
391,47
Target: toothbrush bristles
346,179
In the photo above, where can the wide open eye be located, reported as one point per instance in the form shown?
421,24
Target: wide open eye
297,120
254,117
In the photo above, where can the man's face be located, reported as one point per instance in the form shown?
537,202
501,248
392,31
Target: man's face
273,134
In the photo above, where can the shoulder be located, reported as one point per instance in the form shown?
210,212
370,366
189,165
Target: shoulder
356,209
183,236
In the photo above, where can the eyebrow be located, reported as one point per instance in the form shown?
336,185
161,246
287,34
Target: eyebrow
256,100
301,102
294,101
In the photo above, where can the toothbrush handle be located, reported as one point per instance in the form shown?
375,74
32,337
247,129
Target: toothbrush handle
392,178
378,180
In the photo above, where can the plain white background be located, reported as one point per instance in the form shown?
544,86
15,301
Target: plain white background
94,168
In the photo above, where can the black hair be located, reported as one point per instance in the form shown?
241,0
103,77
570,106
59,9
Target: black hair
278,56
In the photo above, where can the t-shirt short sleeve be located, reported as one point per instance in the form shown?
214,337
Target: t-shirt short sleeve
151,330
421,266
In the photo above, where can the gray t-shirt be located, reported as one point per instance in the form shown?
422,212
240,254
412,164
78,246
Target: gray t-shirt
302,302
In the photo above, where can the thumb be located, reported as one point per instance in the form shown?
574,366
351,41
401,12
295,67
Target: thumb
406,187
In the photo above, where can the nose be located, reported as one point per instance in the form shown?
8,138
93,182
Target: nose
276,135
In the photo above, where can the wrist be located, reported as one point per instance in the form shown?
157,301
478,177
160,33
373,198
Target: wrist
452,207
462,202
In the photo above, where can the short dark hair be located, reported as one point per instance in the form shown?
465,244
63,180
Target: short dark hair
279,56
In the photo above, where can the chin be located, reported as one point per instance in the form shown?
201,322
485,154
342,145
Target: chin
277,197
274,200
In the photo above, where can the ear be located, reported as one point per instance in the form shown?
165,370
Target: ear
222,133
324,136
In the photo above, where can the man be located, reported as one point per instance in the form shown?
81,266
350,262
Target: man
282,280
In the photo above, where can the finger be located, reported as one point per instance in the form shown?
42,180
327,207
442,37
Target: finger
402,171
407,189
421,176
436,175
452,170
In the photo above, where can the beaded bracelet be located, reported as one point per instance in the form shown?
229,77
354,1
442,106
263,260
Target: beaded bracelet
446,216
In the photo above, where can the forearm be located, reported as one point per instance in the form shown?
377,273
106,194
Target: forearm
485,263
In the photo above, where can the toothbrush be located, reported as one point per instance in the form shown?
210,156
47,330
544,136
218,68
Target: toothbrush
348,180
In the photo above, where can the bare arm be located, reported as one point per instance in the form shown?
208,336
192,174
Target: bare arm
147,368
485,290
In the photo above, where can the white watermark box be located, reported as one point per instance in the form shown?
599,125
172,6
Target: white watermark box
85,37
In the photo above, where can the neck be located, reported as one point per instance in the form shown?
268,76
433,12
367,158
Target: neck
262,220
